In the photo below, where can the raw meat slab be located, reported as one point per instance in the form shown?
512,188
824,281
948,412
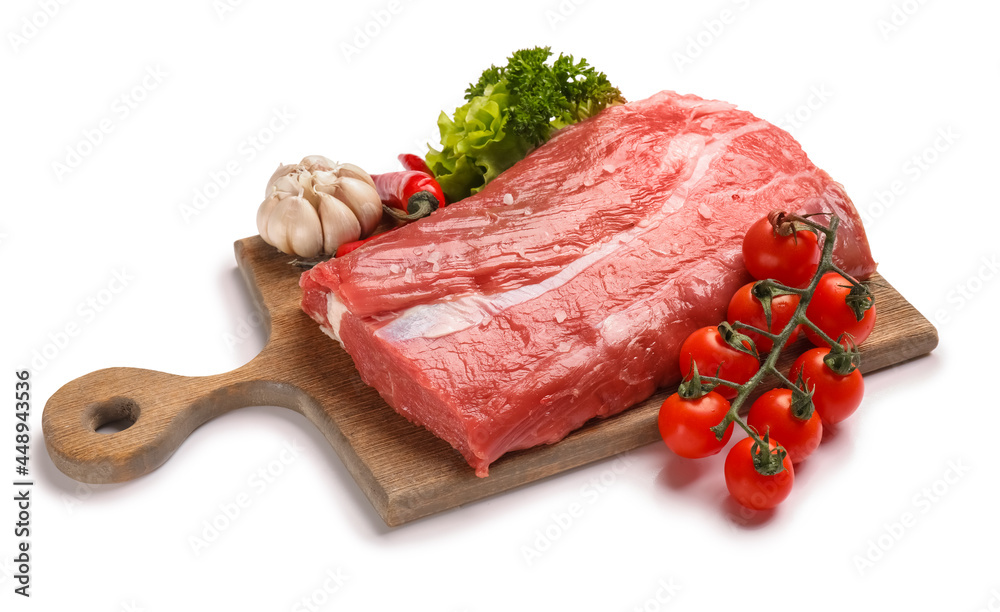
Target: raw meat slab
563,290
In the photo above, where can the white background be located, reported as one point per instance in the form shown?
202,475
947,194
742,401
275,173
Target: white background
879,97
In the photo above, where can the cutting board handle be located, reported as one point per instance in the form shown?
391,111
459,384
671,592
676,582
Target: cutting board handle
163,410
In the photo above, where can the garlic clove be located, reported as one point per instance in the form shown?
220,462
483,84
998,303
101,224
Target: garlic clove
363,200
316,163
306,183
287,185
339,223
360,197
294,227
264,213
352,171
282,171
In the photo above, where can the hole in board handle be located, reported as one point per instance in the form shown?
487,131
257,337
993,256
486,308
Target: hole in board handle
113,416
115,426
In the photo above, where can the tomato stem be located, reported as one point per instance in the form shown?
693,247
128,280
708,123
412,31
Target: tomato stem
781,289
835,268
740,325
720,381
843,360
784,379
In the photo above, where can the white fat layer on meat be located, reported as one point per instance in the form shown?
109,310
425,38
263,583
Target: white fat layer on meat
335,310
701,108
444,318
329,332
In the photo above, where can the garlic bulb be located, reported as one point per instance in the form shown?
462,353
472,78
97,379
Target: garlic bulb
317,205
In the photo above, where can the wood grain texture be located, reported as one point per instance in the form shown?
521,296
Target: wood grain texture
404,470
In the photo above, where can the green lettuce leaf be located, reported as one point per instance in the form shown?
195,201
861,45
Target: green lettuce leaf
476,148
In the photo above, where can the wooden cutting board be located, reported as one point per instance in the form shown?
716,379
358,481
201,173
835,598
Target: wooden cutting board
406,472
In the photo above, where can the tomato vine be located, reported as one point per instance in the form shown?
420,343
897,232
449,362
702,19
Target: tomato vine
844,358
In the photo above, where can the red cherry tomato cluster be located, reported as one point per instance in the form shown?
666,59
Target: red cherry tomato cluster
723,364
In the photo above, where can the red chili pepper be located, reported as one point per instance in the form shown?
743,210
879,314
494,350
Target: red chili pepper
414,162
415,194
347,247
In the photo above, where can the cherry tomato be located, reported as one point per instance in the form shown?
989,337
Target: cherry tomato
830,312
791,260
751,488
684,424
773,412
746,308
836,396
709,351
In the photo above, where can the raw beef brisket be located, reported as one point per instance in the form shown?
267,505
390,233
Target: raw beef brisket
563,290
